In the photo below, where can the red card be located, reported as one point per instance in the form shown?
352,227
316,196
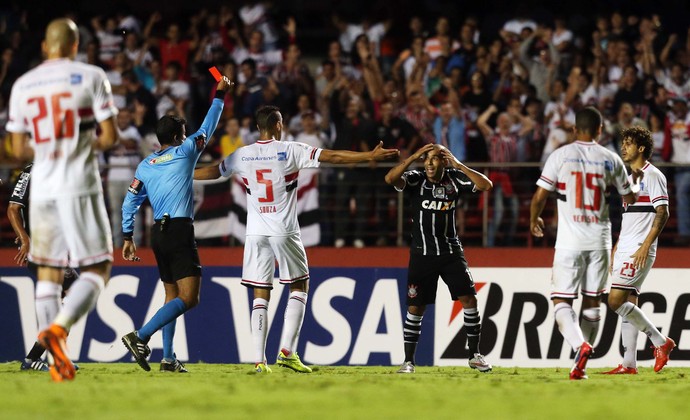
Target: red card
215,73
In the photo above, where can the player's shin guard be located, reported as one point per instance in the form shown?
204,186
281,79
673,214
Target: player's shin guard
47,303
259,329
589,324
473,327
294,315
636,317
567,325
411,332
82,297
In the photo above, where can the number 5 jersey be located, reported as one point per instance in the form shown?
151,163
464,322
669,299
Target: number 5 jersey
269,171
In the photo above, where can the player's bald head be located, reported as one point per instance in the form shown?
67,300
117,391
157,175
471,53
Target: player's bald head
62,38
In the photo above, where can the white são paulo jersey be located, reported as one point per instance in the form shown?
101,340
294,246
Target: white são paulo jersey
269,170
580,173
638,217
59,103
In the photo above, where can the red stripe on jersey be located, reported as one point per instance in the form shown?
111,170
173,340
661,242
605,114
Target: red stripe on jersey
546,179
661,197
245,181
643,199
561,185
291,177
310,186
313,153
264,141
85,112
646,166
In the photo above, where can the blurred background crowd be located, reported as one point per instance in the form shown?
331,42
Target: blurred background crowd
499,86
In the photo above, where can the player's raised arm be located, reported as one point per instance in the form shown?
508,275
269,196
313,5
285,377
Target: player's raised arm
346,156
394,176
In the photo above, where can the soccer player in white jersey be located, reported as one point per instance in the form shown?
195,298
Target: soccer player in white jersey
580,174
58,106
635,251
269,169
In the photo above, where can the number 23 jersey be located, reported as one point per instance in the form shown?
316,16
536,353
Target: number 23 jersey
581,173
59,104
269,170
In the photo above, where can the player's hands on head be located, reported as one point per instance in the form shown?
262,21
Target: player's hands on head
379,153
129,251
537,228
448,156
423,150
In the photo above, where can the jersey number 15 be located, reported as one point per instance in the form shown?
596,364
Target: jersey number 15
590,184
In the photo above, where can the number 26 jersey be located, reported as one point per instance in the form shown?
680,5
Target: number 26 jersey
581,173
269,171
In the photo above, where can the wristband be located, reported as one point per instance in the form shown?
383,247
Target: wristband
220,94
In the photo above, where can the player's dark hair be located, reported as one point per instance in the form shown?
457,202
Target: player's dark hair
640,137
588,120
267,117
168,127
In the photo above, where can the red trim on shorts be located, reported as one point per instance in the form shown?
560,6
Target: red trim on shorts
625,286
256,283
564,295
296,279
47,261
588,293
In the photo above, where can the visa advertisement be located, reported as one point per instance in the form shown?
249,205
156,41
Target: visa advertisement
354,317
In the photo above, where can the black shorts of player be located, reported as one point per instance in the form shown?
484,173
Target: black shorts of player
424,271
175,249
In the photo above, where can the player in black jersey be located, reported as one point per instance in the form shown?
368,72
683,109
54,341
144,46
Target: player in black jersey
17,210
436,249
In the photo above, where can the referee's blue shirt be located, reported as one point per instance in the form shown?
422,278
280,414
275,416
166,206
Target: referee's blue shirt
166,176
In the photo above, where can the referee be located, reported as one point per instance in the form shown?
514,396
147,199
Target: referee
436,250
165,178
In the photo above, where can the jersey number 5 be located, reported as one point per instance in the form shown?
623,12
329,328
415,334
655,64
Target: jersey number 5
590,184
267,182
63,120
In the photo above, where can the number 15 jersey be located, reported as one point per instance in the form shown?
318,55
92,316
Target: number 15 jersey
59,104
269,170
581,173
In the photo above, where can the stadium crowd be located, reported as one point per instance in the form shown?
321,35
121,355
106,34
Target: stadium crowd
500,98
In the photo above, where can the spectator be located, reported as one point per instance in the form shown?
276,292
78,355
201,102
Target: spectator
350,31
123,160
173,92
502,144
142,101
541,70
442,43
231,140
109,38
173,47
120,65
677,150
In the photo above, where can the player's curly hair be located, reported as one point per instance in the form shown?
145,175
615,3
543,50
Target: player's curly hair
640,137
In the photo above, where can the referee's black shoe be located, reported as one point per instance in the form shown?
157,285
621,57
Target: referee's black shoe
138,348
173,366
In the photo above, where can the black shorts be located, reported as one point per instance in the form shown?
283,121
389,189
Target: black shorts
424,271
175,249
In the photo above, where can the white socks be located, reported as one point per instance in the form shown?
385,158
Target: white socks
629,337
567,325
294,315
590,324
48,296
82,297
259,329
636,317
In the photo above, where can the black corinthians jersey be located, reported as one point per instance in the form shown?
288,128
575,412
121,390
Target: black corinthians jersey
433,210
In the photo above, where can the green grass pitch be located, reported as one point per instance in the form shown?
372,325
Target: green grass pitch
216,391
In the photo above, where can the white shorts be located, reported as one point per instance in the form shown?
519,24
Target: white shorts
624,274
260,254
574,270
70,231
